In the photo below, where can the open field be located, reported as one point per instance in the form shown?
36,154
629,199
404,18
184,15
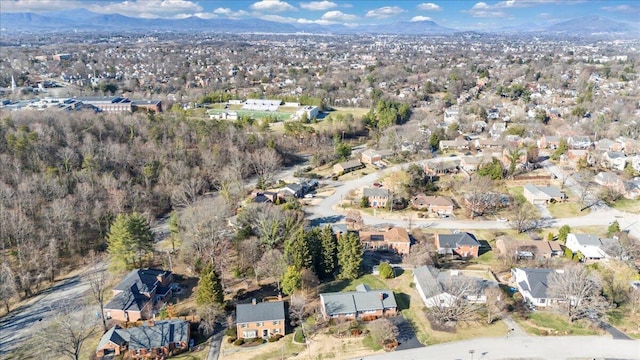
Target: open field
547,323
627,205
566,209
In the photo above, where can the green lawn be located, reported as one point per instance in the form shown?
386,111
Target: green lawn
627,205
286,349
626,321
350,285
566,209
546,323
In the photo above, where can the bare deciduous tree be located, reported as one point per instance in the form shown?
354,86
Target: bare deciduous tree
422,252
383,330
272,264
449,298
494,305
479,196
524,217
578,289
210,316
265,163
98,278
69,330
8,287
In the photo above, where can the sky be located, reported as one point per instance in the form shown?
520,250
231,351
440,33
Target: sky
461,15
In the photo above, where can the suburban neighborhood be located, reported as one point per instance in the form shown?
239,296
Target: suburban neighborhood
184,180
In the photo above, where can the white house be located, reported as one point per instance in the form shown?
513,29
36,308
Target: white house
451,115
615,160
533,285
440,288
590,246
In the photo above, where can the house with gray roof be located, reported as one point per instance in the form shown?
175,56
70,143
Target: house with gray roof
363,304
153,340
377,197
541,195
138,294
260,319
533,284
443,288
589,246
462,244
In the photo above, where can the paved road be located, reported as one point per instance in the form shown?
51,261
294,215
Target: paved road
215,344
326,211
514,347
21,324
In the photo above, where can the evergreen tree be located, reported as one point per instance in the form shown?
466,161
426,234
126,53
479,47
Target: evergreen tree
349,256
386,271
291,280
329,253
614,228
128,241
209,288
563,232
298,252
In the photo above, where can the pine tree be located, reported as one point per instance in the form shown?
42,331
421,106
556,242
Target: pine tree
209,288
349,256
291,280
129,240
614,228
297,251
329,252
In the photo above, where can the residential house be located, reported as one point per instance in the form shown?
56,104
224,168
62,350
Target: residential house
264,196
610,180
113,342
523,157
635,162
548,142
541,195
533,285
363,304
470,163
488,144
264,319
377,197
632,189
458,144
579,142
609,145
347,167
370,156
295,190
588,246
615,160
528,249
138,294
497,129
451,115
155,340
462,244
394,239
441,167
434,204
439,288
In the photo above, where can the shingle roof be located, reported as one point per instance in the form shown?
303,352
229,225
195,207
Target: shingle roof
454,240
264,311
127,300
367,192
144,279
427,280
116,335
538,280
162,333
587,239
362,300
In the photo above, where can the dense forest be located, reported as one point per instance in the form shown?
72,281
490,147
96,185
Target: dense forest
66,176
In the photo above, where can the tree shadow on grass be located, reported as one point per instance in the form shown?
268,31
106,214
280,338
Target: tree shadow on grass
403,300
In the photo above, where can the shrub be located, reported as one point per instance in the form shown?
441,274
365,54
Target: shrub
231,340
256,340
275,337
238,342
298,336
386,271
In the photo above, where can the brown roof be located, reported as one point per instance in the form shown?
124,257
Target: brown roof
392,235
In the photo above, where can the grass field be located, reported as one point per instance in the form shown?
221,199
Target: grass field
546,323
627,205
566,209
350,285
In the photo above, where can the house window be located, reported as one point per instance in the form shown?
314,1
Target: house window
244,326
259,323
276,322
276,331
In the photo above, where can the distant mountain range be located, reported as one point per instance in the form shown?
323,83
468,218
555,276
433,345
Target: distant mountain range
84,20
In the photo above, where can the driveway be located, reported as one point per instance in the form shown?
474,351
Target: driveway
543,347
407,337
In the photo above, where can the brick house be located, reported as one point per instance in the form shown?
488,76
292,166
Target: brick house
462,244
376,197
434,204
540,195
370,156
347,167
363,304
395,239
263,319
155,340
138,294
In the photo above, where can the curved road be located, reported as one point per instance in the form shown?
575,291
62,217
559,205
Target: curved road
325,211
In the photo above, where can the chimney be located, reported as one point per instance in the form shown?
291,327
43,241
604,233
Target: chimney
381,296
253,301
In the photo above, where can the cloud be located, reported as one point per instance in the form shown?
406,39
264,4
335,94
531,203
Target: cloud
385,12
420,18
621,8
148,8
319,22
278,18
543,15
230,13
482,10
318,5
338,16
429,7
272,6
